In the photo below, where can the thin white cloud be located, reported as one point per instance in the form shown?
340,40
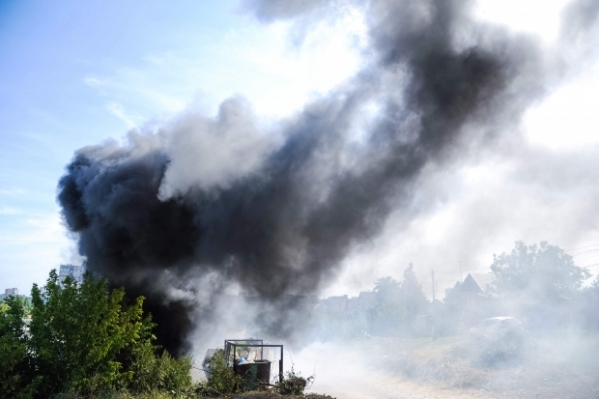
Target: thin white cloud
118,111
13,192
256,61
7,210
93,82
34,245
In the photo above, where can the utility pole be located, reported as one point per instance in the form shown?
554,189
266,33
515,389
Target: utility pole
433,277
432,320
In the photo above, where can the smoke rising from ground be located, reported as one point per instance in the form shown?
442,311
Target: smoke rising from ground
276,212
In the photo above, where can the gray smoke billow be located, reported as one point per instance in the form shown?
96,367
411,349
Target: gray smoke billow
275,212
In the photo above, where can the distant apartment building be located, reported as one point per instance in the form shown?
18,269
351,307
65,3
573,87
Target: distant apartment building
8,292
75,272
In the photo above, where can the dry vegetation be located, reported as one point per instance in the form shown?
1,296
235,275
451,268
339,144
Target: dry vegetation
273,395
557,365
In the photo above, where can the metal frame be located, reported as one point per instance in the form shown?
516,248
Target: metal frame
234,343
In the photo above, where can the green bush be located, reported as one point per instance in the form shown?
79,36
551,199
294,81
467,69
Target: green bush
221,378
125,394
159,372
293,384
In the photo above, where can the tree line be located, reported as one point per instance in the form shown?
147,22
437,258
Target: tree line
539,284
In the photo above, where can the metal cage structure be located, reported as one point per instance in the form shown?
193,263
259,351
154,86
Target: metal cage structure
254,371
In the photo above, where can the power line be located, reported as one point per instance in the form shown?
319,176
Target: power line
586,246
585,252
585,258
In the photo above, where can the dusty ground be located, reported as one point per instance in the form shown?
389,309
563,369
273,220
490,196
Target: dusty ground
562,365
557,365
270,395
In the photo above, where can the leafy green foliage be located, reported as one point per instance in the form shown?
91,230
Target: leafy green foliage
83,340
545,272
78,333
154,372
293,383
221,378
16,380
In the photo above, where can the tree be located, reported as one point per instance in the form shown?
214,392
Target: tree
79,334
397,303
411,293
588,303
544,272
16,378
387,290
83,339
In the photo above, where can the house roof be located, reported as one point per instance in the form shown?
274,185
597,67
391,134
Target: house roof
470,285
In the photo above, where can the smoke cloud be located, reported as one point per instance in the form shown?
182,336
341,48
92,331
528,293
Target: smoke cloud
275,212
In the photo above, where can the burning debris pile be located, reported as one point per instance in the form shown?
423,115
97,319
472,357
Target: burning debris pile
275,212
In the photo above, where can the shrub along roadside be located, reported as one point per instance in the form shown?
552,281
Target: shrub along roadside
293,383
222,381
221,378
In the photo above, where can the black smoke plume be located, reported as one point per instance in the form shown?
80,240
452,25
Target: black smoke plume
277,216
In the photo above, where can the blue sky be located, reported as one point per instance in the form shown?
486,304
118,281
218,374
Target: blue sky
76,73
51,51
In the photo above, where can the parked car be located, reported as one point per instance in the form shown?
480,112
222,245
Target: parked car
498,337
